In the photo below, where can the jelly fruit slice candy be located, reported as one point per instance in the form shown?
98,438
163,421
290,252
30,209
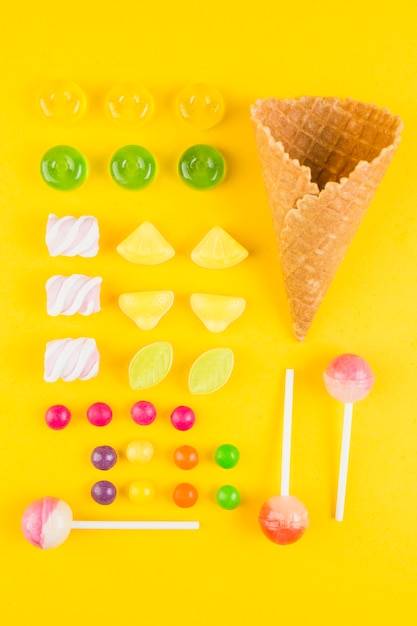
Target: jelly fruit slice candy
146,308
216,312
150,365
146,246
218,250
211,370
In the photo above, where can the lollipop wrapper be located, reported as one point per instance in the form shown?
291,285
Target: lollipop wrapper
322,161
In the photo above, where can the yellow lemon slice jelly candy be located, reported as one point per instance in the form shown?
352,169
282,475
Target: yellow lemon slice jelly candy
218,250
216,312
146,308
150,365
211,370
146,245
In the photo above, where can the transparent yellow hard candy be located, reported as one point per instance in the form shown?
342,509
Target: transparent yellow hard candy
150,365
146,308
211,370
146,246
129,104
218,250
217,312
200,105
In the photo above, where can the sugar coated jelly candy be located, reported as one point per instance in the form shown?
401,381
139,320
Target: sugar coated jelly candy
143,413
103,492
150,365
47,523
130,104
146,246
99,414
62,101
215,311
57,417
139,451
186,457
348,378
63,168
103,457
133,167
200,105
185,495
228,497
218,250
146,308
201,167
183,418
283,519
227,456
141,491
211,370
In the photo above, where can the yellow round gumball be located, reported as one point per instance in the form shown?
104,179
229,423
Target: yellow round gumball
139,451
141,492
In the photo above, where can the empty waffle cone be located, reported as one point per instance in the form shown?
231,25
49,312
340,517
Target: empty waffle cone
322,161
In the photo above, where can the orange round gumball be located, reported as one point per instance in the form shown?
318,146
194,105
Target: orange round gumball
186,457
185,495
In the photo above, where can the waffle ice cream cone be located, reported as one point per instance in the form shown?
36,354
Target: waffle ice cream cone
322,160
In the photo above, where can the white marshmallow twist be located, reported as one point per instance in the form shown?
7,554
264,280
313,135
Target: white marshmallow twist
68,295
71,359
72,236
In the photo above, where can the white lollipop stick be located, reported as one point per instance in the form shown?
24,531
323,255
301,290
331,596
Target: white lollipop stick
286,435
135,525
344,461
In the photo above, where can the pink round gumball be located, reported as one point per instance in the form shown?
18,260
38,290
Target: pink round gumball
99,414
283,519
182,418
57,417
348,378
143,413
47,523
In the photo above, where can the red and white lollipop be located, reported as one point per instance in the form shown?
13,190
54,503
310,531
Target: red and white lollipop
349,379
46,523
284,518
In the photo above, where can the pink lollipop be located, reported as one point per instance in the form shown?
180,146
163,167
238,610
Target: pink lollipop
47,523
284,519
348,378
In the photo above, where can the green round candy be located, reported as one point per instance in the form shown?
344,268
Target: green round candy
133,167
63,168
227,456
228,497
201,167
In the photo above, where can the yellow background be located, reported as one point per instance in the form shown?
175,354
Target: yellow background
363,570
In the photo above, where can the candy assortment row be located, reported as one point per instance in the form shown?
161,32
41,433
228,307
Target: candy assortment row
100,414
184,495
132,167
131,105
79,236
141,451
